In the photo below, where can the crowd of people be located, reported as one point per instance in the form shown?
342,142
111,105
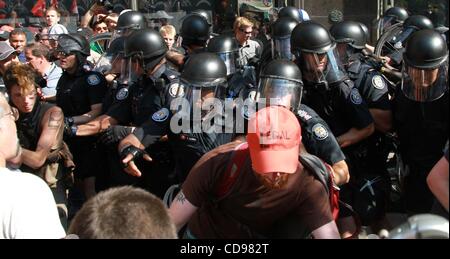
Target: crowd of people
261,131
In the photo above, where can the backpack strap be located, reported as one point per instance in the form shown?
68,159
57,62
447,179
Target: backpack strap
318,168
234,167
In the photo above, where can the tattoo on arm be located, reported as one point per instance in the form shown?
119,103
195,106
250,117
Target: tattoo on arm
181,198
55,119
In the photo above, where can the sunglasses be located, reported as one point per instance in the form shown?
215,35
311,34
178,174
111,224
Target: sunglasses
64,54
246,32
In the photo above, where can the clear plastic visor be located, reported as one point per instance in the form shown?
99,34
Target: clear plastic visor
280,92
322,67
283,48
424,85
230,61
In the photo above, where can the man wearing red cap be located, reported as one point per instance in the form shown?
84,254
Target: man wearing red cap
271,187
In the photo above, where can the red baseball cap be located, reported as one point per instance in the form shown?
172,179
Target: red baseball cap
274,136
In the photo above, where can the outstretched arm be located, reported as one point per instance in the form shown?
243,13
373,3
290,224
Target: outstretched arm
181,210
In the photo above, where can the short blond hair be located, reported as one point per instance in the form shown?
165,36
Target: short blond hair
168,30
242,22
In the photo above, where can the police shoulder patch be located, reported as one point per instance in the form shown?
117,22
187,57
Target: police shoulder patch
320,132
122,94
176,90
161,115
93,80
355,97
378,82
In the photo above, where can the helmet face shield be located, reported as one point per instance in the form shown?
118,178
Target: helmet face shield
318,68
230,61
385,22
282,92
283,48
207,98
124,32
130,69
424,85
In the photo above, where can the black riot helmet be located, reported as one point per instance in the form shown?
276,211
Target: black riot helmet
311,37
281,84
203,80
316,53
366,30
349,32
290,12
425,70
418,22
205,14
204,69
195,30
392,16
74,42
227,47
113,54
398,13
349,37
130,20
146,45
412,24
281,35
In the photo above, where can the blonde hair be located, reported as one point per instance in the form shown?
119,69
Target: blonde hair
168,30
53,9
242,22
22,75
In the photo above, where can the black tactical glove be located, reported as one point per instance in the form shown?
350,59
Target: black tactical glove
131,150
114,134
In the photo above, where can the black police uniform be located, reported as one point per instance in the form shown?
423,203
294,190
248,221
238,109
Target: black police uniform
423,131
341,106
374,154
317,137
187,148
75,94
134,106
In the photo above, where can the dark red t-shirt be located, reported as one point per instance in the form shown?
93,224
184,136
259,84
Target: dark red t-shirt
250,210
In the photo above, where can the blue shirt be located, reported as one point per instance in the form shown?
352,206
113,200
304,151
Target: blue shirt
52,76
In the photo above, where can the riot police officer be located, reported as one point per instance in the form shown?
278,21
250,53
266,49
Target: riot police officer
280,46
241,80
396,48
207,15
281,84
330,93
153,85
421,113
79,94
195,33
200,130
392,16
363,71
